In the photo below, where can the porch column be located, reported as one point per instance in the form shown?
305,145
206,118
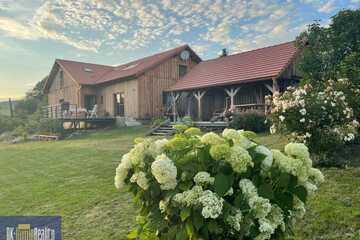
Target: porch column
174,98
198,95
232,92
275,86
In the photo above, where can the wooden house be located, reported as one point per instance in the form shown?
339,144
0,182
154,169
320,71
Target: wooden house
176,83
133,90
237,82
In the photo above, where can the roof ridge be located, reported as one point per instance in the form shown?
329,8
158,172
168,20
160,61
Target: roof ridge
66,60
252,50
152,55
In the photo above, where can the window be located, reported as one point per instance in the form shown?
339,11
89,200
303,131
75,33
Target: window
61,73
182,70
90,101
119,104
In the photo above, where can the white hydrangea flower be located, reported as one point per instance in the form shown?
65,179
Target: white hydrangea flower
299,209
248,188
302,111
122,171
302,120
237,138
316,175
230,134
230,192
260,206
188,198
138,153
163,204
211,203
140,179
211,139
239,159
203,179
285,163
273,129
297,150
234,220
165,172
282,118
310,188
156,148
268,160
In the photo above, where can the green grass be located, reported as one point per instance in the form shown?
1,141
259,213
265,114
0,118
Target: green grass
74,179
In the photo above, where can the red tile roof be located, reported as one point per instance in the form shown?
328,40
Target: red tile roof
263,63
90,74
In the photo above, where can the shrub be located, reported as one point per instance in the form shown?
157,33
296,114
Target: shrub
216,187
8,124
320,118
249,121
51,126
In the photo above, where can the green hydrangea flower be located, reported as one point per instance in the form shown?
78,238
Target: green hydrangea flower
239,159
220,151
193,131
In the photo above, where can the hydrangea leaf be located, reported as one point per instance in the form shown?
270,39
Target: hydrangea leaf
184,214
223,183
265,190
301,193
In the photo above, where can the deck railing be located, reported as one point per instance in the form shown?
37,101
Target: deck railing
253,107
64,111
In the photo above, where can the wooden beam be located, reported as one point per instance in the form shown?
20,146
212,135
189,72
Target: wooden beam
269,87
198,95
275,85
232,92
174,98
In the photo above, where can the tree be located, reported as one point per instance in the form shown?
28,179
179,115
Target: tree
332,52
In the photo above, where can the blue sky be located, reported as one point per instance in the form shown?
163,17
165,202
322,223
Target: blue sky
34,33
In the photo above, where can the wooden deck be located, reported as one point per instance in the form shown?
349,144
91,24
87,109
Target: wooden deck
74,118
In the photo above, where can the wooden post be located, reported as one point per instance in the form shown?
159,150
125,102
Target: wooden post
198,95
275,85
11,108
174,98
232,92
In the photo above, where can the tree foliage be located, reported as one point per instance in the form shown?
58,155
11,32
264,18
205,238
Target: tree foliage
332,52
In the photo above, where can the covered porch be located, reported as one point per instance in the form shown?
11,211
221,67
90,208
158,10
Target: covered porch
216,103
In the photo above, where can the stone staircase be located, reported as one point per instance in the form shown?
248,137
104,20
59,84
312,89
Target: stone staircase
165,129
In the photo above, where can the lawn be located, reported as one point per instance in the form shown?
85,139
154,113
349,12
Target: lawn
74,179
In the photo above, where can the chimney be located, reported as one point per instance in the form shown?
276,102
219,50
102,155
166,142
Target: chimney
224,53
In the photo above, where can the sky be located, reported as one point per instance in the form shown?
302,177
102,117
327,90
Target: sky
33,33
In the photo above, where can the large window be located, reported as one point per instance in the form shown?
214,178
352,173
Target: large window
182,70
119,100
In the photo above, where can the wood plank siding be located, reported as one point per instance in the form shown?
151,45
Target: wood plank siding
152,84
129,88
68,90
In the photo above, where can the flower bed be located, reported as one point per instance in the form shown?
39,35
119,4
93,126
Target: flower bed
196,186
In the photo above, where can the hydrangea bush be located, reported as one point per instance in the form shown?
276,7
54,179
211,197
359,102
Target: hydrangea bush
210,186
322,119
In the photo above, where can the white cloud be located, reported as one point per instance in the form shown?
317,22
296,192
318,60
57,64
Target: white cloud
131,24
328,7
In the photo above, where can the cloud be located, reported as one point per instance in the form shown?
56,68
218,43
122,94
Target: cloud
96,25
16,29
328,7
